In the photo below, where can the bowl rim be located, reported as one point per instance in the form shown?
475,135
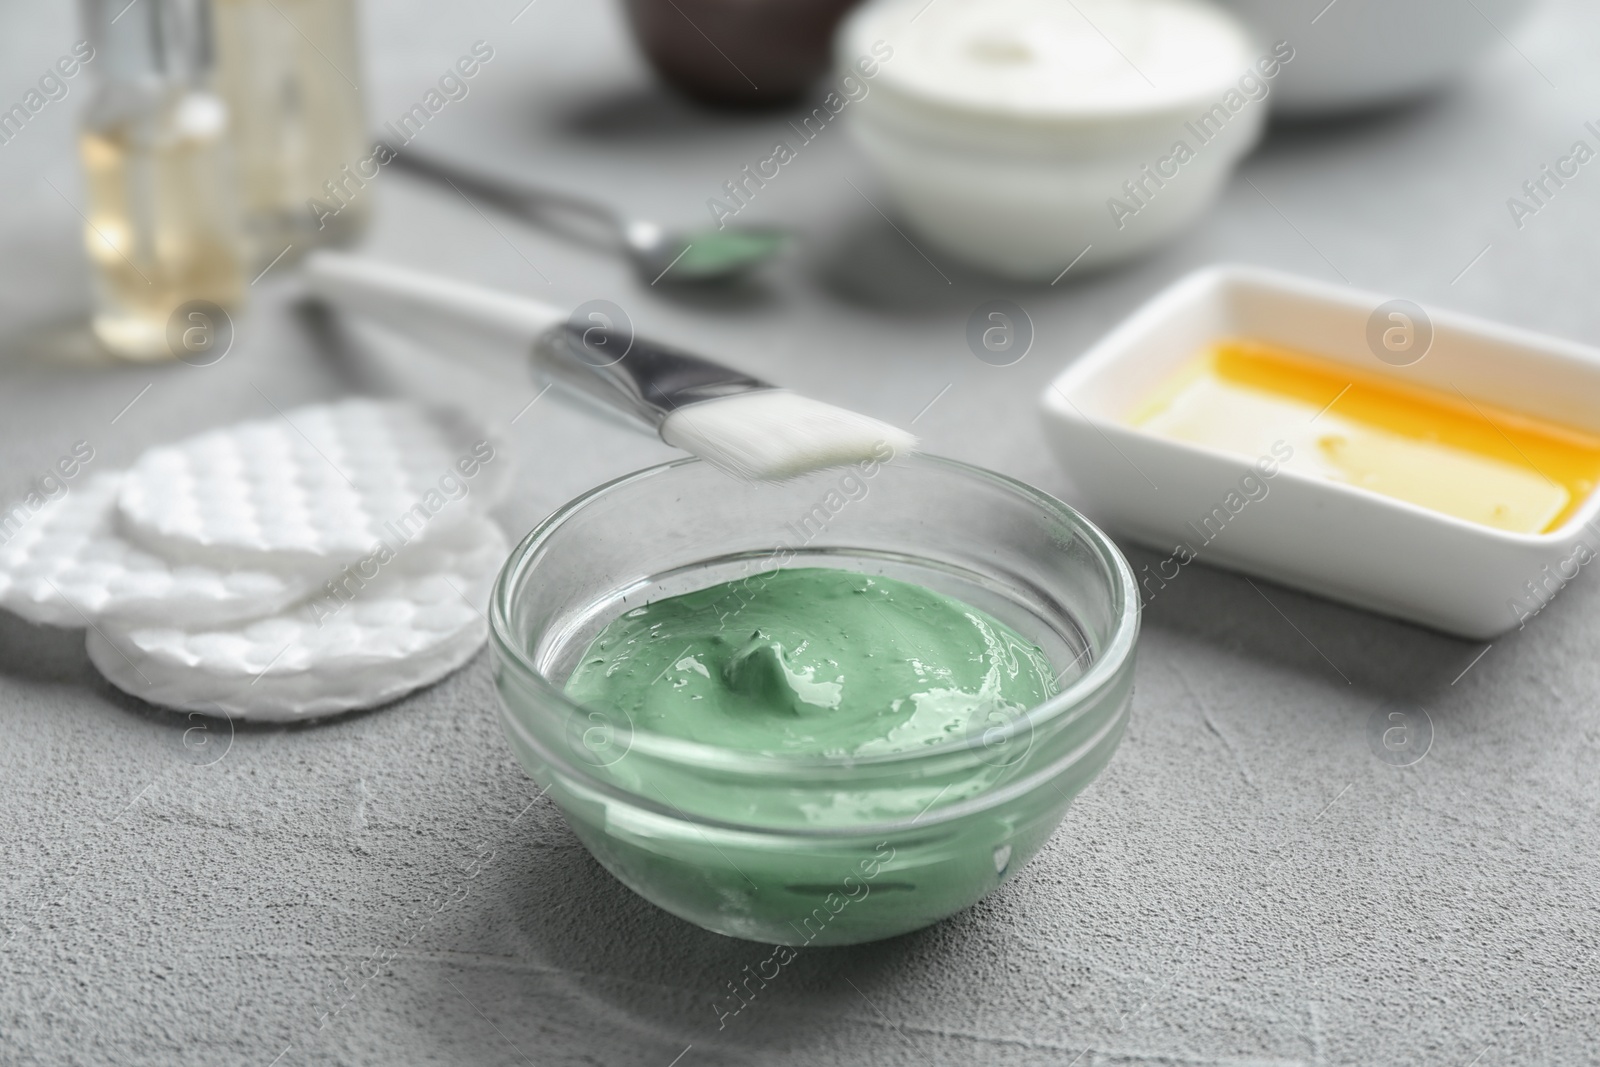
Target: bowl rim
1118,649
858,29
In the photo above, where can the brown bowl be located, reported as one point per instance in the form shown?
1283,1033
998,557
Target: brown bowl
738,53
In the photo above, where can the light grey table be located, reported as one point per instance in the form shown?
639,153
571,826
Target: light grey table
1246,883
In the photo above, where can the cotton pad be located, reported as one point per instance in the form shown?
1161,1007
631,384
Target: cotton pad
382,631
313,485
68,565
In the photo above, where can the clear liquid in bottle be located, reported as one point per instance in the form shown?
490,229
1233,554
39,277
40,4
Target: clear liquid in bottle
290,72
162,227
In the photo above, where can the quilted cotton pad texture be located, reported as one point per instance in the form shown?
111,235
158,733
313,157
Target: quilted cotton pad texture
315,484
69,565
417,618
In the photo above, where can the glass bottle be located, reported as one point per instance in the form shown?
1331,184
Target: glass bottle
291,73
162,226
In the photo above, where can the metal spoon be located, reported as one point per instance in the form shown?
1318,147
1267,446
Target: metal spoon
696,256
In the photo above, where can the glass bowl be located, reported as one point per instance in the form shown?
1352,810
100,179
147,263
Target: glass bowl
798,850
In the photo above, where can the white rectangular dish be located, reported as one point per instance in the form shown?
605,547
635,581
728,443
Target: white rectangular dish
1300,529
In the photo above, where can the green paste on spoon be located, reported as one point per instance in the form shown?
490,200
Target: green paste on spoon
813,661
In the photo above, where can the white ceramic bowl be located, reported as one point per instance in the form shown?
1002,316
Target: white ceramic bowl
1337,540
1006,129
1355,54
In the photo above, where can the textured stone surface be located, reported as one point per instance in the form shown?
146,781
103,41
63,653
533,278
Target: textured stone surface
1247,883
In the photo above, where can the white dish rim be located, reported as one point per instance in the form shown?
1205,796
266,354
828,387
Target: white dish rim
1197,286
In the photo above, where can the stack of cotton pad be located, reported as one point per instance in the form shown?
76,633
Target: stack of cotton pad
333,557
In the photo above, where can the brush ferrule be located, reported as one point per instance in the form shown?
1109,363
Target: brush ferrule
628,375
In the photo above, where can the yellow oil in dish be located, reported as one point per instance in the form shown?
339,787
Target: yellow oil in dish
1437,449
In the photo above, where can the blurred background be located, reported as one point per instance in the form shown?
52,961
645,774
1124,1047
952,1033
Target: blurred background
1398,200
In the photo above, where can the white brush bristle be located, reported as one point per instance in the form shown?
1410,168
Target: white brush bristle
774,434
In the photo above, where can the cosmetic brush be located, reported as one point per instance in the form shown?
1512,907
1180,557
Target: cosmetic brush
739,424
